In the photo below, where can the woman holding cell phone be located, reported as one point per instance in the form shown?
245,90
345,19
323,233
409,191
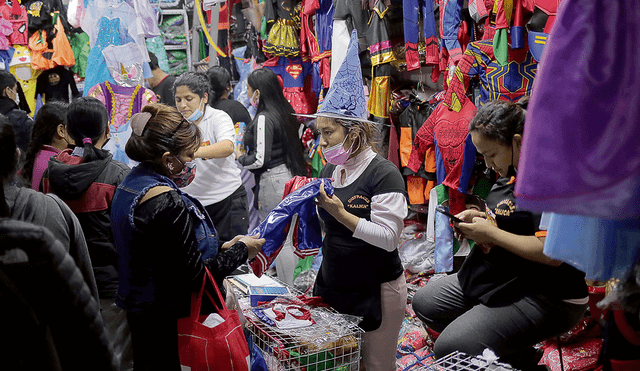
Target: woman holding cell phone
508,295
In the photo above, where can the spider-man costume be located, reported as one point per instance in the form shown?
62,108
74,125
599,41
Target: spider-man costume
411,11
509,82
448,132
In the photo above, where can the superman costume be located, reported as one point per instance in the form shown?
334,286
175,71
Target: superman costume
296,78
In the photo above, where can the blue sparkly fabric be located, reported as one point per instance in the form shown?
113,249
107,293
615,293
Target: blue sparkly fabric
97,70
346,95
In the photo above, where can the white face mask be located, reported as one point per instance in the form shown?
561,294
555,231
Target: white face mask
17,100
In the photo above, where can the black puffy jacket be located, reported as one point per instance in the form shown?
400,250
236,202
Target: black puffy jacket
49,319
88,189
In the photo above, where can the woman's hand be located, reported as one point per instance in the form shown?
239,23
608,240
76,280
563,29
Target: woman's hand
333,205
238,152
479,230
254,244
228,244
468,215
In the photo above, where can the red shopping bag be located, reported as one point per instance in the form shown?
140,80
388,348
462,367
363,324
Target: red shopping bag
223,347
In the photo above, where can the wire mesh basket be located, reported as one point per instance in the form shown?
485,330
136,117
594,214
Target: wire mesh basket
458,361
332,343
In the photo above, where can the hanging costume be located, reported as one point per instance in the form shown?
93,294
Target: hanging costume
419,183
81,48
595,184
296,77
121,102
20,67
509,82
315,35
448,132
45,53
284,36
17,16
411,10
381,56
54,85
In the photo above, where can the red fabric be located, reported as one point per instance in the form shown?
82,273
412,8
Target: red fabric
97,198
452,129
579,356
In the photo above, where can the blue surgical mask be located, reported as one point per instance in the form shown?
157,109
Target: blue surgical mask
195,116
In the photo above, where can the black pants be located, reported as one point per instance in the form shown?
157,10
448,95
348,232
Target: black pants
155,342
470,327
231,215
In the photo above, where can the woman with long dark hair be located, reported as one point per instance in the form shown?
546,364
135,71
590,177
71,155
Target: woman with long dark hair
275,153
86,179
220,80
48,137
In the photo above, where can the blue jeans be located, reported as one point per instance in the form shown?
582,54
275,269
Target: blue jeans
471,327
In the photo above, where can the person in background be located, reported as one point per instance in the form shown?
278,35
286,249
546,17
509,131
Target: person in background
161,82
49,136
217,184
220,80
47,210
274,150
158,228
507,296
45,330
86,179
9,101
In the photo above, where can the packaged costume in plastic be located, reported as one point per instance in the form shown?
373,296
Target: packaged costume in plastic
276,226
315,34
125,64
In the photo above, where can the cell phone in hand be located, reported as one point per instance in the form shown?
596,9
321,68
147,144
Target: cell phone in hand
443,210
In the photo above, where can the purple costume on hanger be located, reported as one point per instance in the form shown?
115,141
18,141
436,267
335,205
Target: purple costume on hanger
581,148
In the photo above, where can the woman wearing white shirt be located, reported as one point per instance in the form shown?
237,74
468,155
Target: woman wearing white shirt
361,272
217,184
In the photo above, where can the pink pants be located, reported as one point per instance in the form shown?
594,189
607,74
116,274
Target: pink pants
379,346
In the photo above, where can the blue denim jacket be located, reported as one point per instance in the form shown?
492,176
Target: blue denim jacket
128,194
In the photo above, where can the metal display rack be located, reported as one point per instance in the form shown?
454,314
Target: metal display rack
332,343
458,361
184,47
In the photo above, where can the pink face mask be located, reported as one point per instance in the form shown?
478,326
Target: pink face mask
337,155
253,102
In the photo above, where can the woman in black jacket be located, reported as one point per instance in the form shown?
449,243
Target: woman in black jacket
9,101
86,179
162,235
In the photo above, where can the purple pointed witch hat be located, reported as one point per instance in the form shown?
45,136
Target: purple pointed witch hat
345,98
